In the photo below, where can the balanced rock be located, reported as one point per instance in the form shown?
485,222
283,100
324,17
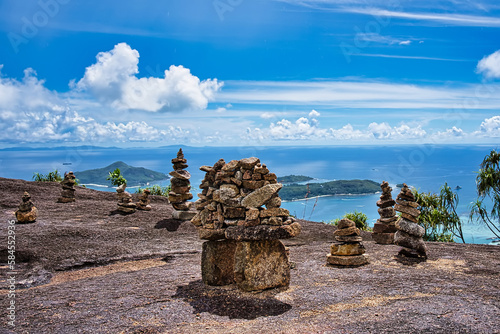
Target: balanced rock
27,212
144,201
239,202
260,265
68,188
384,228
125,204
409,234
348,251
217,262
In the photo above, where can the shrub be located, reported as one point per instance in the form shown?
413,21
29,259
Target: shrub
438,215
358,217
116,178
155,190
50,177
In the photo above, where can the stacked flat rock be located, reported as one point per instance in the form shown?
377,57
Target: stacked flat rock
68,188
409,234
144,201
239,212
125,204
348,251
180,194
385,227
27,212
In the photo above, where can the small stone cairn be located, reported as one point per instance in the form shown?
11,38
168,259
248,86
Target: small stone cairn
144,201
348,251
409,234
68,188
27,212
180,194
385,227
243,244
125,204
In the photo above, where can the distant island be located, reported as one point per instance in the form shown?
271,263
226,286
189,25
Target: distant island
294,179
339,187
135,176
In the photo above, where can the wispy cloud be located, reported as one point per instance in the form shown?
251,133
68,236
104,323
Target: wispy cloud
406,57
454,19
361,94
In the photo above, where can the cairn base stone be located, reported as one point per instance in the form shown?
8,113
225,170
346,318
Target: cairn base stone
217,262
347,249
210,234
27,217
260,265
183,215
411,253
65,200
383,238
404,239
262,232
384,228
357,260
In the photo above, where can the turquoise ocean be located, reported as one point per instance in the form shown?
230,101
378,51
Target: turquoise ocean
425,167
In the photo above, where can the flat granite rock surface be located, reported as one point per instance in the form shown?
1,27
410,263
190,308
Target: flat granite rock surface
85,268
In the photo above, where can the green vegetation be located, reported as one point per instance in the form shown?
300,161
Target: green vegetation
355,187
135,176
294,179
116,178
488,188
50,177
155,190
438,215
358,217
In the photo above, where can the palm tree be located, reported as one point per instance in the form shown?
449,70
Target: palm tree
488,187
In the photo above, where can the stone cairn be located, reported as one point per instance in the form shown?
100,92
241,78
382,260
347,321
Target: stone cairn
180,194
243,244
27,212
385,227
144,201
348,251
68,188
125,204
409,234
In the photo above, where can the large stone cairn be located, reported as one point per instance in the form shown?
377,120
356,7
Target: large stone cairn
409,234
27,212
125,204
68,188
244,246
348,251
144,201
385,227
180,194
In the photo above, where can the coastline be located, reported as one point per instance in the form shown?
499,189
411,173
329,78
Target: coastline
319,196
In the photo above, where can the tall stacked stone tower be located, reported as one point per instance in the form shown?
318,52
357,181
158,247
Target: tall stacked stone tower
239,214
180,189
385,227
68,188
409,234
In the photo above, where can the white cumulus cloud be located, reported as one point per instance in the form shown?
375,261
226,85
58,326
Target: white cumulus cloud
314,114
490,127
113,80
489,66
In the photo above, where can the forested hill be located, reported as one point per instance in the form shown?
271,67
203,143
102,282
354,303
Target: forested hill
134,175
339,187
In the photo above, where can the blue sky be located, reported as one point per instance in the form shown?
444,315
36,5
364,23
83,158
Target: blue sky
241,72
